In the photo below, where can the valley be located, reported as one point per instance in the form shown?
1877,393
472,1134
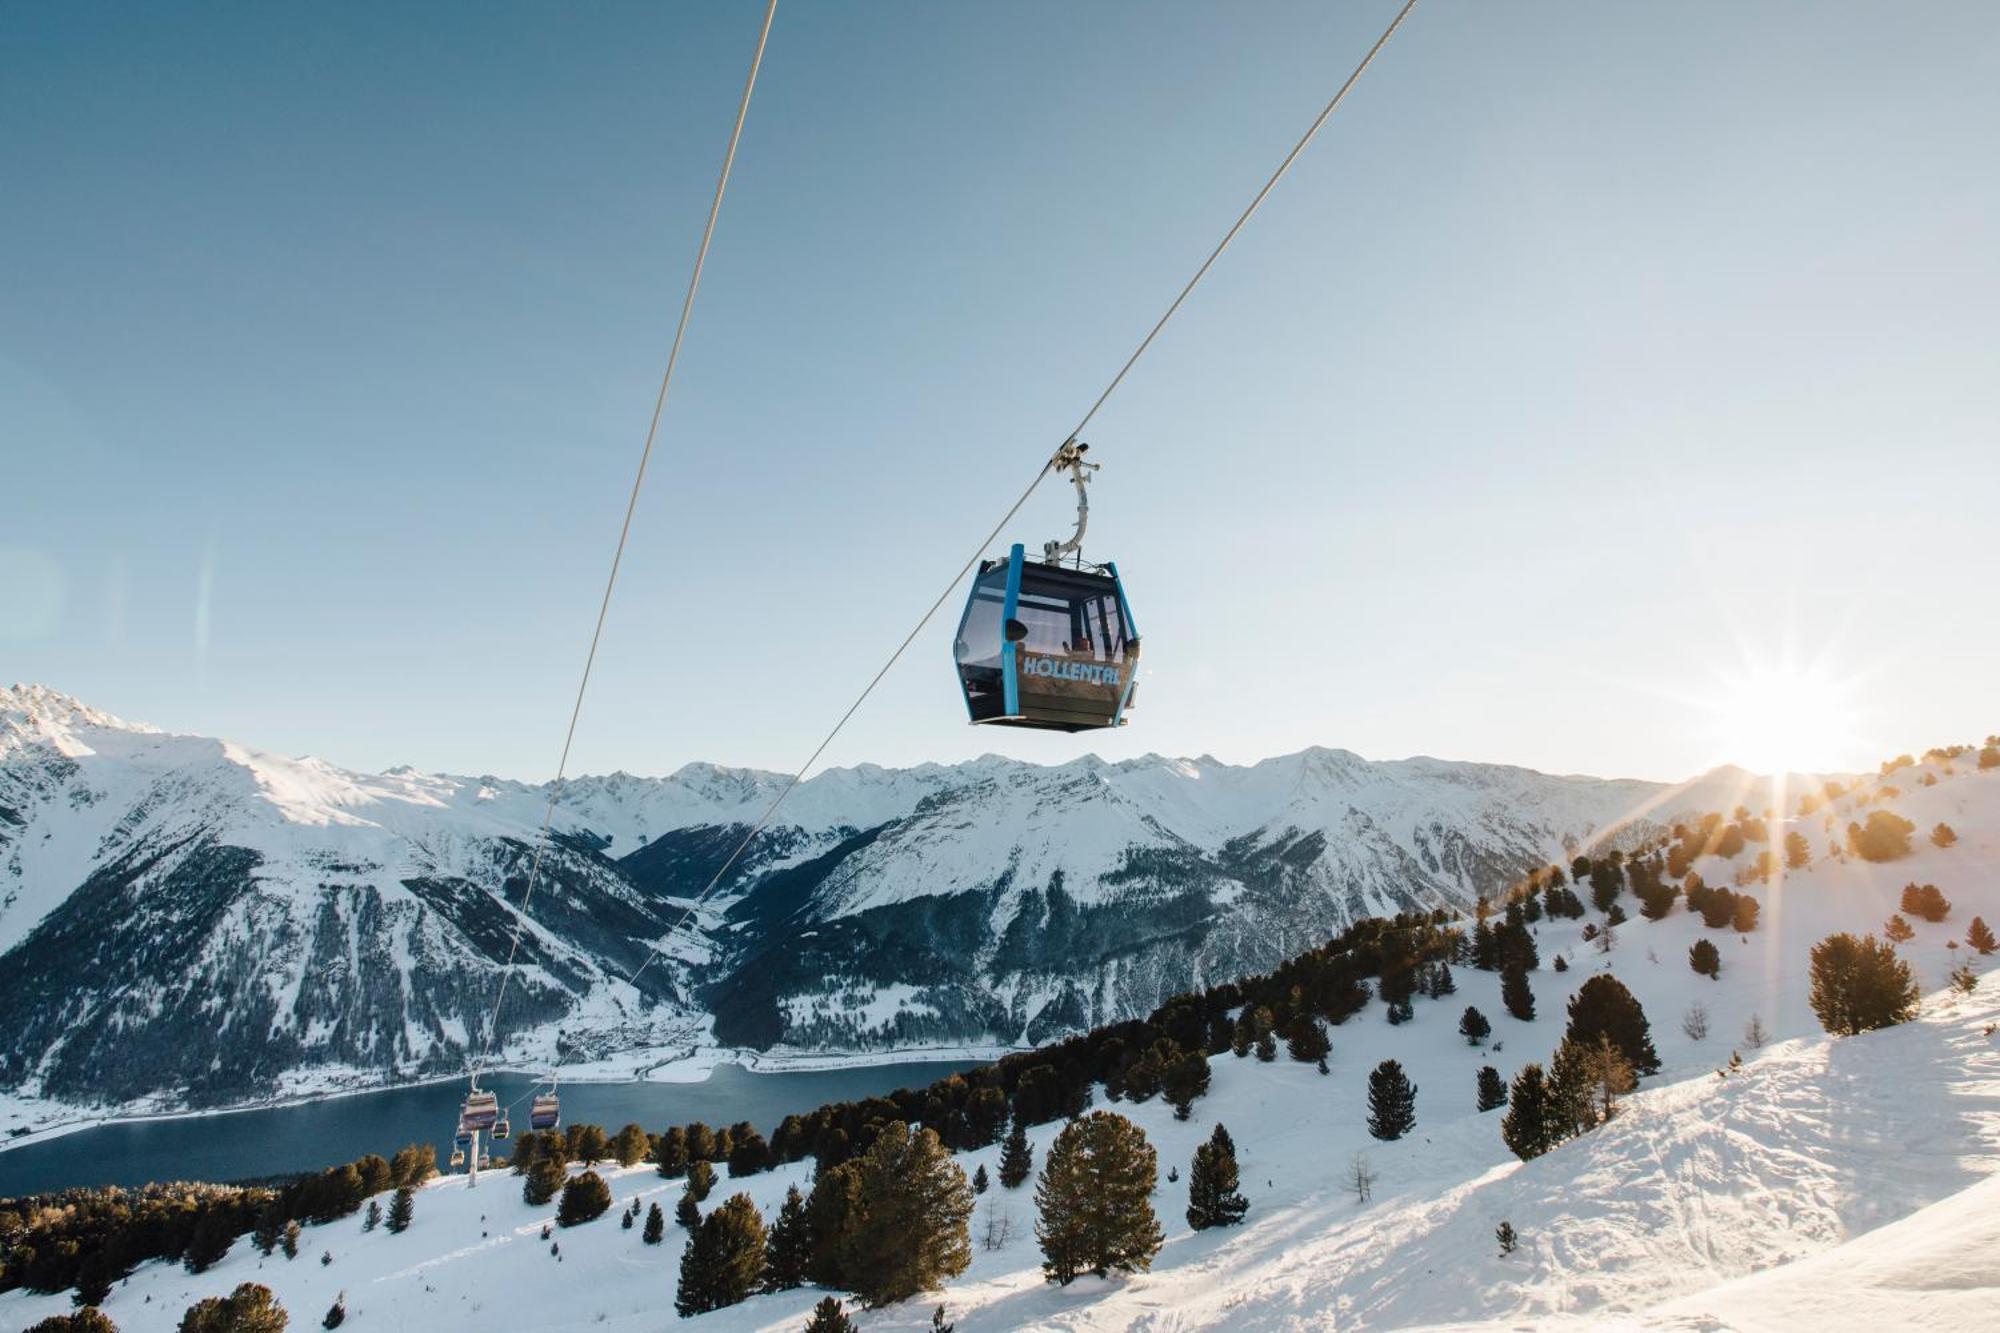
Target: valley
192,923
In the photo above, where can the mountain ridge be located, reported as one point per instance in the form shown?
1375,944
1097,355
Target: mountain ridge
362,922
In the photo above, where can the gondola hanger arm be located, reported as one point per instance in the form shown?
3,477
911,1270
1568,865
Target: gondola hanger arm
1069,459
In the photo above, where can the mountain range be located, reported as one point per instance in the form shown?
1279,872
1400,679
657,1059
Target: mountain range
189,921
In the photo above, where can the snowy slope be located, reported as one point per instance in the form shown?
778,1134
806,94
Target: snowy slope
1828,1184
1938,1268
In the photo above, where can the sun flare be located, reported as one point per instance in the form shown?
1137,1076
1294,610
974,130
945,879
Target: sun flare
1783,718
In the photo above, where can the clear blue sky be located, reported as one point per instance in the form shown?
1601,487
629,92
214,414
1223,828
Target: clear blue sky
1592,348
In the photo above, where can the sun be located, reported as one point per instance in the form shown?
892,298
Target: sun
1783,718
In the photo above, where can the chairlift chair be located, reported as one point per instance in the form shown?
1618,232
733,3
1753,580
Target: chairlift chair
545,1111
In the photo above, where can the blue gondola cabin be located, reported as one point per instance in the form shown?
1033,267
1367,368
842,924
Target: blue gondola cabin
1047,646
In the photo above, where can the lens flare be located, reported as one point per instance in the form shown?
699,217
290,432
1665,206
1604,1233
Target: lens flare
1783,718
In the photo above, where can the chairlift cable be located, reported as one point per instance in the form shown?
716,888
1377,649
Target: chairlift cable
1050,464
625,529
1230,235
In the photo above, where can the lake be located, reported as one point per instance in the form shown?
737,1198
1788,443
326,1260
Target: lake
275,1141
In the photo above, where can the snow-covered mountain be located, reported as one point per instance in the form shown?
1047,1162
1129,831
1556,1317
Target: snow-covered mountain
189,919
1829,1183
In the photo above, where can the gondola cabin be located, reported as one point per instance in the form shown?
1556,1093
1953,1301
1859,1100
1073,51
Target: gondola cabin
480,1111
1045,645
545,1112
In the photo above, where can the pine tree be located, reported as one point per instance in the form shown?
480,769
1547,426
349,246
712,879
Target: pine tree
270,1228
1656,899
213,1234
413,1164
1526,1128
1213,1199
788,1250
1859,985
402,1207
527,1150
1572,1110
1306,1040
914,1206
1884,836
86,1320
687,1213
656,1226
748,1154
1183,1079
724,1259
701,1179
373,1217
828,1317
1604,1075
1705,959
1602,1006
1094,1199
585,1198
1267,1047
1017,1158
1516,946
588,1145
1485,947
1927,902
1504,1233
1606,882
376,1174
1514,994
1943,835
1963,979
289,1242
544,1180
701,1146
1492,1091
1898,930
1241,1037
336,1314
1980,936
938,1324
833,1215
1474,1027
251,1308
670,1154
1392,1102
94,1277
630,1145
979,1180
1798,854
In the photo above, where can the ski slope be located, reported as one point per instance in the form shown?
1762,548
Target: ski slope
1828,1184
